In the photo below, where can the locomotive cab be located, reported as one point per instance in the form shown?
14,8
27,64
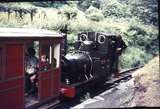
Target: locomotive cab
97,45
15,43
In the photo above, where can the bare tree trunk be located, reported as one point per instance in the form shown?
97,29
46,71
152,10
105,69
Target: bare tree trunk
9,13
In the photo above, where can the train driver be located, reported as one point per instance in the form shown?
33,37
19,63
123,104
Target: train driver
119,46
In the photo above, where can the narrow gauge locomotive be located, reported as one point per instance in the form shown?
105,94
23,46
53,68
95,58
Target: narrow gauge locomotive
93,59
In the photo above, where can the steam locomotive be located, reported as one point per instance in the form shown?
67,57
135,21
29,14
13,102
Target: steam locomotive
92,59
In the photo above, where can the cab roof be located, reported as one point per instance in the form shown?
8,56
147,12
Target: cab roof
27,32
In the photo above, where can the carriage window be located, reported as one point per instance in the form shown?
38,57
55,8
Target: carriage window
0,63
50,54
56,58
45,58
45,51
36,47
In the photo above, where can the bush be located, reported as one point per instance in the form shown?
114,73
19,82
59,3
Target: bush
134,20
94,14
145,10
142,37
70,12
134,57
113,8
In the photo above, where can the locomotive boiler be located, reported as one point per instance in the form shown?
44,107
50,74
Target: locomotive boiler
91,59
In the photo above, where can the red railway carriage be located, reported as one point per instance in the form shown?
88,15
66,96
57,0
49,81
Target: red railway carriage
13,45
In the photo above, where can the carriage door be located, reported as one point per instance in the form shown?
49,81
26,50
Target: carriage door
11,75
47,79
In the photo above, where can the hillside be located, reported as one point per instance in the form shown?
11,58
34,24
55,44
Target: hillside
147,85
135,20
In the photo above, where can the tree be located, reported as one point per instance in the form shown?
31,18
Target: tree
94,14
69,13
145,10
85,4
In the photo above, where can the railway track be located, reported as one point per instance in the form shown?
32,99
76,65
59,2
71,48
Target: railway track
124,74
66,103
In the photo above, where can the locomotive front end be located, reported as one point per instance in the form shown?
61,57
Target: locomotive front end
89,60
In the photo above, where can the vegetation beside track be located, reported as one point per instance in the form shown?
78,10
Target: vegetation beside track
135,20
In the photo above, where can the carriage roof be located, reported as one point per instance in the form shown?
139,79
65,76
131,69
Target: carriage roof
27,33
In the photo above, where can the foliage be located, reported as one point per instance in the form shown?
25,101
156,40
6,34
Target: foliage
142,37
135,20
146,10
85,4
134,57
68,12
55,4
113,8
94,14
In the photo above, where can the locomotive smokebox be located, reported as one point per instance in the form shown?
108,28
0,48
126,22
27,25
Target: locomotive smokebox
78,67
